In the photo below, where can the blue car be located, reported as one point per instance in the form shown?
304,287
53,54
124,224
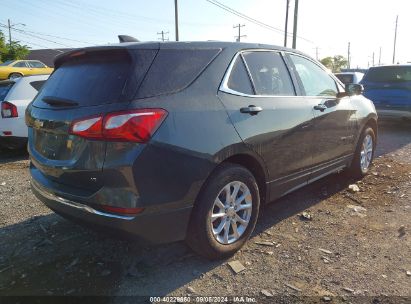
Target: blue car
389,87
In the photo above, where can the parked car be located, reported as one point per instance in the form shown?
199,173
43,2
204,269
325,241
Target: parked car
173,141
349,77
18,68
389,87
15,95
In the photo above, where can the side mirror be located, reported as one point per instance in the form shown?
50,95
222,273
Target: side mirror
354,89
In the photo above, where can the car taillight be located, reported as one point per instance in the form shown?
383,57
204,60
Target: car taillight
8,110
90,127
136,125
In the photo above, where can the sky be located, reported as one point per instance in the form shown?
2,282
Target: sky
325,27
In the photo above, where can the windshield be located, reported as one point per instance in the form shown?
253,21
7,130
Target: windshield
8,62
389,74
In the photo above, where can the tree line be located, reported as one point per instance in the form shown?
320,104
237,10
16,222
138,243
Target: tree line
12,51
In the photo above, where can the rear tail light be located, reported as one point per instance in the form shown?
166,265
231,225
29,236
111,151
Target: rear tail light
136,125
8,110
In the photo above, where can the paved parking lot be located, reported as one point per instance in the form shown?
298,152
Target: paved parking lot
355,244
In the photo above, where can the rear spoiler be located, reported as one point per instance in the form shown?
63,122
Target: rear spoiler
126,38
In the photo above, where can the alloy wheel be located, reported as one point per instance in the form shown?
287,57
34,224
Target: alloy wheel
231,212
366,152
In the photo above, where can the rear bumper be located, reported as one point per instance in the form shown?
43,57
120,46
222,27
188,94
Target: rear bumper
155,227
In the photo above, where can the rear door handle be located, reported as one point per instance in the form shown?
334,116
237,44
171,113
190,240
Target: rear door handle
251,109
320,107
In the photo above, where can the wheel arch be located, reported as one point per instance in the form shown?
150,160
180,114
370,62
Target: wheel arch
22,75
250,162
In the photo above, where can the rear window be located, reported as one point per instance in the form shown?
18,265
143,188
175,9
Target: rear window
389,74
37,84
174,70
99,77
4,89
345,78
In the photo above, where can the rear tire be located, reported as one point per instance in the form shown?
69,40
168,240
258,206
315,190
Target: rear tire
364,153
215,211
15,75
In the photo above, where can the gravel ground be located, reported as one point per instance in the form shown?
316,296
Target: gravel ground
355,247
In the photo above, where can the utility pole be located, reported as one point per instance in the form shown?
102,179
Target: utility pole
295,24
286,23
239,31
10,26
379,58
316,52
349,55
162,33
176,17
373,57
395,40
8,20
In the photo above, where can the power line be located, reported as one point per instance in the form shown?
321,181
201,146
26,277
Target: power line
32,35
250,19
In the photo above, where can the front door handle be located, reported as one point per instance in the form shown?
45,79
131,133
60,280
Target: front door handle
251,109
320,107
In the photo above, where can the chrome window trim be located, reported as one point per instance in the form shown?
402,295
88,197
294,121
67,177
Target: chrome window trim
224,84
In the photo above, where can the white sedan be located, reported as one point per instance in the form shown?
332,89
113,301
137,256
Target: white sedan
15,95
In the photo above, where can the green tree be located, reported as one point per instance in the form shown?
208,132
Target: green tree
14,51
335,64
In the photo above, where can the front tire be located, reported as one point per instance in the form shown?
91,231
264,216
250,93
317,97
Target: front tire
225,213
364,153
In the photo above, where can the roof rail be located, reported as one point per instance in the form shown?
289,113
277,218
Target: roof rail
126,38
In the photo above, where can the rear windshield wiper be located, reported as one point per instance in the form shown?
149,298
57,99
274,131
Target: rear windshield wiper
59,102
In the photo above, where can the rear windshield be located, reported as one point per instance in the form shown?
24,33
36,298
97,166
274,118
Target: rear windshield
174,70
4,89
37,85
389,74
345,78
97,78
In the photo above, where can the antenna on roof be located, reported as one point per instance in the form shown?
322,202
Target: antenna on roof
126,38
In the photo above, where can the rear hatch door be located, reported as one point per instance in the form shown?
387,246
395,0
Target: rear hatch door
85,83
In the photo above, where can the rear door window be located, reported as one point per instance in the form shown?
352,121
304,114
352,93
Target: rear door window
239,80
4,89
36,64
174,70
96,78
269,74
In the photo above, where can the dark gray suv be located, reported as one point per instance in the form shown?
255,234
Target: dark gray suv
172,141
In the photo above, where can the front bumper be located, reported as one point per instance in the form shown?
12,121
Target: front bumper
158,227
